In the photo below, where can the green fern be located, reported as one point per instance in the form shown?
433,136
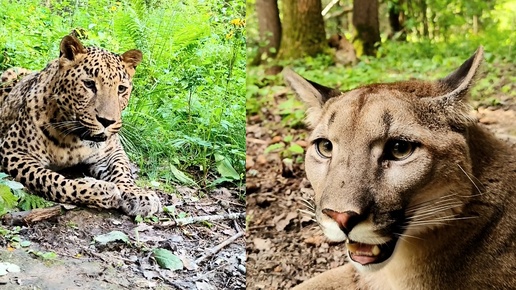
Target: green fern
8,200
29,201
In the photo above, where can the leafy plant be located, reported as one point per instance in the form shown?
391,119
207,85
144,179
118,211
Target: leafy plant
187,105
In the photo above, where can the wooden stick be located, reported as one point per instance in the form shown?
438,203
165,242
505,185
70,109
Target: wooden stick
207,218
230,202
214,250
31,216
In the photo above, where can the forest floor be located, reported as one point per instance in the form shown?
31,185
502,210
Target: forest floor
285,246
63,254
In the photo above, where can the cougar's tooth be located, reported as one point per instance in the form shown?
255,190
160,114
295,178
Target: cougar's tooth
352,247
376,250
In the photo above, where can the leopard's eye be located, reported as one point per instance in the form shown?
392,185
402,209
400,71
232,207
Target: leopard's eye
90,84
323,147
121,89
398,149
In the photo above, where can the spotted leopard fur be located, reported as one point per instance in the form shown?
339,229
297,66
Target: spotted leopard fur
69,115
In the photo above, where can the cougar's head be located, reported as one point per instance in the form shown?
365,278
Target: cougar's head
388,162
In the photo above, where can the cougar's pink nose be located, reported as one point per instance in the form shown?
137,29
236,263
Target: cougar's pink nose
346,220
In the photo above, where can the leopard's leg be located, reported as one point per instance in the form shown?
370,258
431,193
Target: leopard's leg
115,167
27,170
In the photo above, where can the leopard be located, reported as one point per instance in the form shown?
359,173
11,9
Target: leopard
420,193
67,116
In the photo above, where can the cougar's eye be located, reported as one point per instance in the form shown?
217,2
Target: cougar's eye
121,89
323,147
90,84
398,149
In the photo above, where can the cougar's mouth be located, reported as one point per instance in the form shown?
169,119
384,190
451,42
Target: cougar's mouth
366,254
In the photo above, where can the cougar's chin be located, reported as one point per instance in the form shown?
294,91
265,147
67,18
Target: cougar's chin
371,255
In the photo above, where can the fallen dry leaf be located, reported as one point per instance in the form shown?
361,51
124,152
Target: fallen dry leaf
275,139
282,224
262,244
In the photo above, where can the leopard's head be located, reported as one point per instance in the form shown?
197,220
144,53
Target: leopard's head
92,88
388,162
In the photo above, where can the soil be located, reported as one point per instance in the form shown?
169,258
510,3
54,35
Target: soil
82,263
284,245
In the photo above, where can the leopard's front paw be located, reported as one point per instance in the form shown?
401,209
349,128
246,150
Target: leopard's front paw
99,193
140,202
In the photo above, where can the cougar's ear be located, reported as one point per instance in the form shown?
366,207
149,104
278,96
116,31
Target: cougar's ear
457,84
312,94
454,88
70,48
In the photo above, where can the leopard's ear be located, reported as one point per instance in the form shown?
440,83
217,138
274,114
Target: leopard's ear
132,57
70,47
456,85
312,94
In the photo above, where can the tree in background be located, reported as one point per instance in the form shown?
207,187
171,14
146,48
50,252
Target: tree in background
269,27
365,20
303,29
396,19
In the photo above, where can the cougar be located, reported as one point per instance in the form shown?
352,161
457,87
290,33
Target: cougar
422,196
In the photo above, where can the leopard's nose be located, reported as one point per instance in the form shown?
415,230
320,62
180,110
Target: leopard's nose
105,122
346,220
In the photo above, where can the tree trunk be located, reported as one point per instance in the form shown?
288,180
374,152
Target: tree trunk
303,29
424,18
365,20
269,26
396,22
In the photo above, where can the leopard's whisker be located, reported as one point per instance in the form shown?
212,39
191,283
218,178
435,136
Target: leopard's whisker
309,213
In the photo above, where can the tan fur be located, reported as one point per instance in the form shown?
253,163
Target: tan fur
450,205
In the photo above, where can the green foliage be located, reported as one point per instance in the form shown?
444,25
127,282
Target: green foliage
287,149
395,61
110,237
8,200
29,201
167,260
188,98
12,196
46,256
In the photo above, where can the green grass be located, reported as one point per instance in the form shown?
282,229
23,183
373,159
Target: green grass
186,118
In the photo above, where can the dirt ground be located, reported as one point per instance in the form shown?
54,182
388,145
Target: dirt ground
284,245
82,263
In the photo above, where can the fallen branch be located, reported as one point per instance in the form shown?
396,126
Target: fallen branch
214,250
209,218
230,202
31,216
